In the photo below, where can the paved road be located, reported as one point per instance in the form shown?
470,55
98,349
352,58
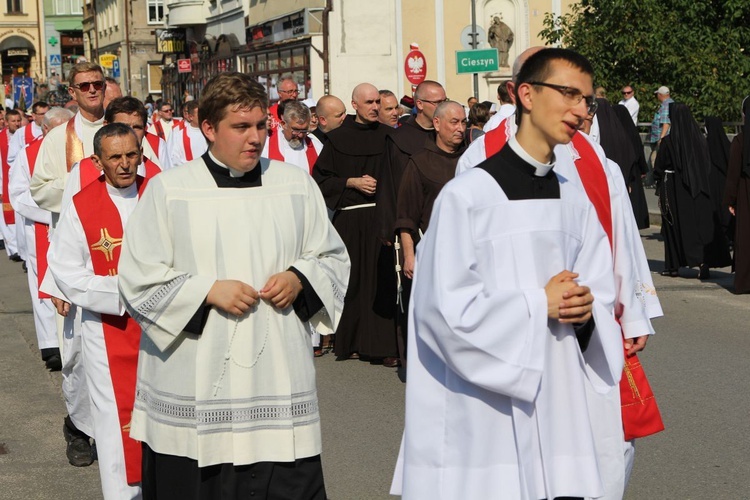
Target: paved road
697,365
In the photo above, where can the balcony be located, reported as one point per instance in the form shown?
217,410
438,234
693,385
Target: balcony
184,13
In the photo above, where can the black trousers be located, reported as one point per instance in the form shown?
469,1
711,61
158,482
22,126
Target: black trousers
168,477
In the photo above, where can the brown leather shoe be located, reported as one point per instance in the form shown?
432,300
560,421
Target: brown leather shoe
391,362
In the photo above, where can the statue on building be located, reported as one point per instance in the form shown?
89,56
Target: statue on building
500,36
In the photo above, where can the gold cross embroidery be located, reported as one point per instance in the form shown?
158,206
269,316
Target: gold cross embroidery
106,244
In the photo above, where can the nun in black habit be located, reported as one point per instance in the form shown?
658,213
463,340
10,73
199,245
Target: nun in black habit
718,150
635,173
737,199
682,171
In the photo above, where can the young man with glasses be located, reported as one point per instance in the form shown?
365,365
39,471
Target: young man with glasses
28,133
61,148
630,102
503,338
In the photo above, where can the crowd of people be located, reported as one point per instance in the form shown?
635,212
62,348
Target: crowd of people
170,260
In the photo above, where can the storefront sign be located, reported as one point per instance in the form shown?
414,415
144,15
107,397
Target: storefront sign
18,52
71,41
277,30
171,41
106,60
184,66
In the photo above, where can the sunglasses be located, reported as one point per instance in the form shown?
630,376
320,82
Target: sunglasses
86,86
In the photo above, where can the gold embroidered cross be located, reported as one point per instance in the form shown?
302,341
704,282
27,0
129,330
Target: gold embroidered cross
106,244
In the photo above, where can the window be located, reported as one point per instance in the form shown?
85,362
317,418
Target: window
76,6
155,11
61,7
15,7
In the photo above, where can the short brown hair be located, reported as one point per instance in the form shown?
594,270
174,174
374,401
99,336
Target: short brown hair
230,89
83,68
129,106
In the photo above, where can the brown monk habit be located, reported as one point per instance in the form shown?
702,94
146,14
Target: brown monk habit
367,323
403,142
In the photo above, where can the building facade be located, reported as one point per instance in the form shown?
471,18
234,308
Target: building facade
63,37
120,36
21,49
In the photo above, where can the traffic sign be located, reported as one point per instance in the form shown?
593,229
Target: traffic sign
415,65
116,68
55,60
466,37
477,61
184,66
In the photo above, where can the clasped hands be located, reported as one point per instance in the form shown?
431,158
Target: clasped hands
236,297
567,301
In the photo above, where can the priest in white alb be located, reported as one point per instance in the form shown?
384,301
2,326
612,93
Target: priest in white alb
188,143
83,260
28,132
224,261
291,141
512,316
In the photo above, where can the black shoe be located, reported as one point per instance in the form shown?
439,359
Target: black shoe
2,244
672,273
54,363
79,450
15,258
704,273
25,269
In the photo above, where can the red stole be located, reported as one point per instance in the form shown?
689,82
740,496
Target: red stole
41,231
159,129
640,414
274,152
89,173
186,145
29,134
153,141
104,230
9,215
273,117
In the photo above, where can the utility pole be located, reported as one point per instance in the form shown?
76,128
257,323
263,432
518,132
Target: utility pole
474,43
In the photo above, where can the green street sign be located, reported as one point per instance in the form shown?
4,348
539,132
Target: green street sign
477,61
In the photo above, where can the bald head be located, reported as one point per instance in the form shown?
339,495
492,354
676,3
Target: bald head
331,113
428,96
366,103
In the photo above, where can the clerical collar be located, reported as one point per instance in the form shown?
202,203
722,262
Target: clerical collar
228,177
126,192
541,169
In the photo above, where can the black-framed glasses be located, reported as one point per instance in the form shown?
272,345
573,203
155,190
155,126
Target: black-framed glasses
86,86
299,132
572,95
166,110
627,92
435,103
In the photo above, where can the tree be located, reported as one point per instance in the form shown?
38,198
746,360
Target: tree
695,47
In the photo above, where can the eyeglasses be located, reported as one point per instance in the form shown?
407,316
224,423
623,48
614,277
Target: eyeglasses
295,91
166,110
627,92
434,103
572,95
299,131
86,86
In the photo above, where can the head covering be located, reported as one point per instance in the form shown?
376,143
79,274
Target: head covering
614,139
623,114
663,90
718,144
689,150
746,136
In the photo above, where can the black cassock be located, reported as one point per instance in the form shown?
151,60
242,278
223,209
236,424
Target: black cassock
367,325
737,195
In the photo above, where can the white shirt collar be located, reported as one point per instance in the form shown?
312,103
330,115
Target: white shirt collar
542,169
232,172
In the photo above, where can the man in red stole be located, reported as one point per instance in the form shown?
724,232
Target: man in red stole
188,143
83,260
29,132
8,220
35,226
291,142
584,163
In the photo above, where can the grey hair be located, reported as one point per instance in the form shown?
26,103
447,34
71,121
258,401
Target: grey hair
296,112
55,116
111,130
442,108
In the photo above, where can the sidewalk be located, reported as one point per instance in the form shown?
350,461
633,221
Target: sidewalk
32,449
